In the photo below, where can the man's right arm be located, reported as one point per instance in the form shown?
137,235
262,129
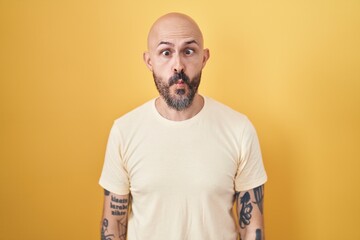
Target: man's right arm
115,216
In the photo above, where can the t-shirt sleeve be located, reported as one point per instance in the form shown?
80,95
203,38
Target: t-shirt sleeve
251,172
114,176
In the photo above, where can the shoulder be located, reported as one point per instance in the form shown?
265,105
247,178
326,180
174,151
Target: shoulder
228,119
223,112
135,116
233,124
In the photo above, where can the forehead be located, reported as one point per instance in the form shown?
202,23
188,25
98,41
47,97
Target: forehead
174,29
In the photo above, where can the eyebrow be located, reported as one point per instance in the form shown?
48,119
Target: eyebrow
192,41
165,43
172,44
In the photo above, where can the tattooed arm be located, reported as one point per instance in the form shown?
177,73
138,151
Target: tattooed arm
114,219
250,213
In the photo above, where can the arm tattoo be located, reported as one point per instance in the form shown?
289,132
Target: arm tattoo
104,230
259,197
258,234
118,206
122,228
245,211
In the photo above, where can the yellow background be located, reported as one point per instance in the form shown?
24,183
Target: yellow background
69,68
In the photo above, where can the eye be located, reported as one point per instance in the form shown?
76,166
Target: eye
189,51
166,53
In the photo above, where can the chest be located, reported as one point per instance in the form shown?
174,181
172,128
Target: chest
173,161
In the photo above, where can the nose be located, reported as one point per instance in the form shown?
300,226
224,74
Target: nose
178,65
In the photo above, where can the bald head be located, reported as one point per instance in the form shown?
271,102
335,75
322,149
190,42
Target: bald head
176,58
173,25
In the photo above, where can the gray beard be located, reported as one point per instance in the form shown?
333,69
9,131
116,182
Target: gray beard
180,101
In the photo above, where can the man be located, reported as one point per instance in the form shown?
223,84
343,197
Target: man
180,161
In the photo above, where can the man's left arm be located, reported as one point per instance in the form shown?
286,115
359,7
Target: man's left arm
250,213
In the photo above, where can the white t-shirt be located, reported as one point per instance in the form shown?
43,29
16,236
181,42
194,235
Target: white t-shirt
182,175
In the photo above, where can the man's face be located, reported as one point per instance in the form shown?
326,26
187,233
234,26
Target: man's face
176,58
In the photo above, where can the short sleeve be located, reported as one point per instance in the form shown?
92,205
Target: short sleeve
114,176
251,172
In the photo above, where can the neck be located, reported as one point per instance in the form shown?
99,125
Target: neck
174,115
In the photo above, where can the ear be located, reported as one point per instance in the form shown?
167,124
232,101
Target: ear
205,57
147,60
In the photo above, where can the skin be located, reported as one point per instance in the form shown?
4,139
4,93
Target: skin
175,44
113,225
249,205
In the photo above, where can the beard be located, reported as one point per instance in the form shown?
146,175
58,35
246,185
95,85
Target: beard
179,100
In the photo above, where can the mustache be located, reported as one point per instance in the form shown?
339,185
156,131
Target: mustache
178,76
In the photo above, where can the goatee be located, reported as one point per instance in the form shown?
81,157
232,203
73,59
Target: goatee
179,100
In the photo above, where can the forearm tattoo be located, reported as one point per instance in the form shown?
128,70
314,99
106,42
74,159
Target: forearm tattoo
258,234
118,207
246,206
104,235
259,197
122,228
245,211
